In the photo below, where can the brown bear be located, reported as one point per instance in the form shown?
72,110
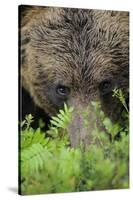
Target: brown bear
74,56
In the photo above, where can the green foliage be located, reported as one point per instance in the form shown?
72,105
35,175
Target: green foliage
48,164
119,94
61,120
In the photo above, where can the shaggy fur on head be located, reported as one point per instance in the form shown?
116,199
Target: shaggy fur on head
83,50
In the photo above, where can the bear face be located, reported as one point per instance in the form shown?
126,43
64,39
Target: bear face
75,56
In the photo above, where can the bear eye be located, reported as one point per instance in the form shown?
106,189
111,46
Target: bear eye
105,87
63,91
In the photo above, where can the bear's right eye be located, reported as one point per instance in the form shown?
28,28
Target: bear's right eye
105,87
62,91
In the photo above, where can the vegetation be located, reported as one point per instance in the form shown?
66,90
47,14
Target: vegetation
48,164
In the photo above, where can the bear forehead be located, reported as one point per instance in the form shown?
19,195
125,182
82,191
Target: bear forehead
88,41
79,32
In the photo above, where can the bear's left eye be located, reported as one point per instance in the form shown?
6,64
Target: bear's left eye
105,87
63,91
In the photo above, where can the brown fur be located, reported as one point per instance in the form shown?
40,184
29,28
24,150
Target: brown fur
77,48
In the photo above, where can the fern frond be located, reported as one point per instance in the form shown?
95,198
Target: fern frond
63,118
30,136
32,159
120,95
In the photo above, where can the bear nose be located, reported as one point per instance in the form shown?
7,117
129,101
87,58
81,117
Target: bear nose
78,131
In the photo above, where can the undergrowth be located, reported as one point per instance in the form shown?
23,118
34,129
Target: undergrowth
49,165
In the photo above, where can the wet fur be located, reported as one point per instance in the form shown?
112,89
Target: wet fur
78,48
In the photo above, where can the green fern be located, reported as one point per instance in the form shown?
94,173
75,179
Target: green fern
120,95
33,142
32,159
27,122
63,118
32,136
49,165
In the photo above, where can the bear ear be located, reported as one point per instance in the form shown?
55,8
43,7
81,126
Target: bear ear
26,13
26,16
24,37
23,11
